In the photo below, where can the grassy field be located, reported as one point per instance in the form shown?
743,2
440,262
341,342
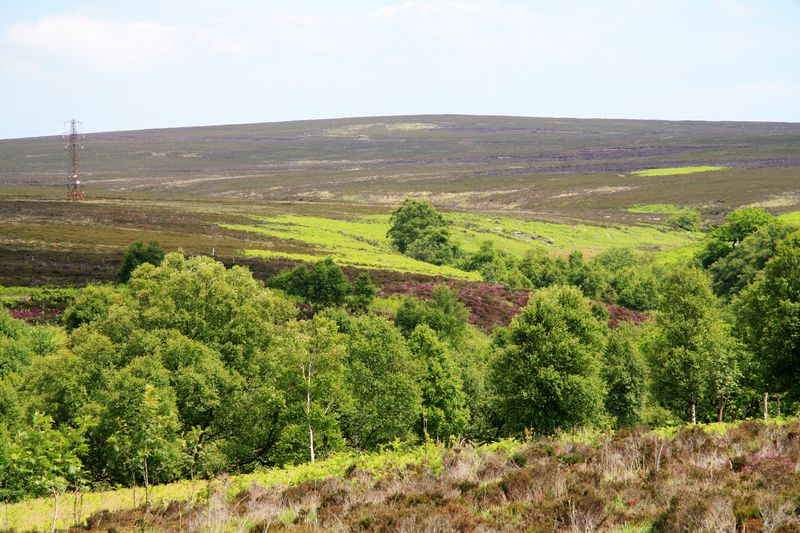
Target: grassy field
362,242
739,476
675,171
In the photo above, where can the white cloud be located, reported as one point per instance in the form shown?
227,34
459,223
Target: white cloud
121,47
100,44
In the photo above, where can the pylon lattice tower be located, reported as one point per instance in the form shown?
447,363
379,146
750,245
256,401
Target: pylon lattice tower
74,186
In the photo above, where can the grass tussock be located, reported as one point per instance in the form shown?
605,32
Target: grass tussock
740,477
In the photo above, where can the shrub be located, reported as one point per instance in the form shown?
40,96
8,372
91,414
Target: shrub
138,254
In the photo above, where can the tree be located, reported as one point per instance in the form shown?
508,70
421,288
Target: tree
732,273
542,270
444,411
41,461
637,287
685,219
421,232
690,337
139,424
410,220
196,374
138,254
327,283
362,294
495,266
625,374
547,375
91,303
312,363
225,309
739,223
323,283
768,313
434,245
442,312
384,380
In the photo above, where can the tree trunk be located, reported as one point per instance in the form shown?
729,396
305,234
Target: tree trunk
694,414
778,403
55,512
721,410
146,483
766,405
311,440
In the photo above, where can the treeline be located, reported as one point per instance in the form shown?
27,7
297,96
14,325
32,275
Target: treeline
191,369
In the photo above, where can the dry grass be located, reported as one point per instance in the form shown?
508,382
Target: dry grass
738,477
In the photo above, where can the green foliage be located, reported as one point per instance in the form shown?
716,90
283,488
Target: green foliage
418,230
769,318
442,312
410,220
40,460
687,219
20,343
732,273
547,376
496,266
691,337
384,381
323,283
638,287
444,411
91,303
225,309
362,294
542,270
625,374
742,222
434,245
139,424
311,362
738,225
138,254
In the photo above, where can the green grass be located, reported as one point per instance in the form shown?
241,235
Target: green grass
37,515
674,171
655,209
473,229
791,218
362,242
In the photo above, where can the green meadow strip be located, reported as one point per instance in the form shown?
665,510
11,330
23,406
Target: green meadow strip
674,171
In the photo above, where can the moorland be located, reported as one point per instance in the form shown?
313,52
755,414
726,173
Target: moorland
513,323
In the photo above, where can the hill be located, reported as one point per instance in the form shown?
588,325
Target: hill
544,167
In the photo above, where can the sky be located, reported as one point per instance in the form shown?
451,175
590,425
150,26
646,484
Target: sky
162,63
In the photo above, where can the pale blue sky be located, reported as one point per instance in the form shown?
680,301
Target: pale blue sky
150,63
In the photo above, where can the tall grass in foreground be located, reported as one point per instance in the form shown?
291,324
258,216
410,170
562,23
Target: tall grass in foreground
741,476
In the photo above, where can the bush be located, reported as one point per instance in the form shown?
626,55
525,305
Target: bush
433,245
419,231
323,283
138,254
688,220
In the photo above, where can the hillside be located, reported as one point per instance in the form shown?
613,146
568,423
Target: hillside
543,167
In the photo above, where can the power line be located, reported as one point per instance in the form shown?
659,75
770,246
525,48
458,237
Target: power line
74,186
